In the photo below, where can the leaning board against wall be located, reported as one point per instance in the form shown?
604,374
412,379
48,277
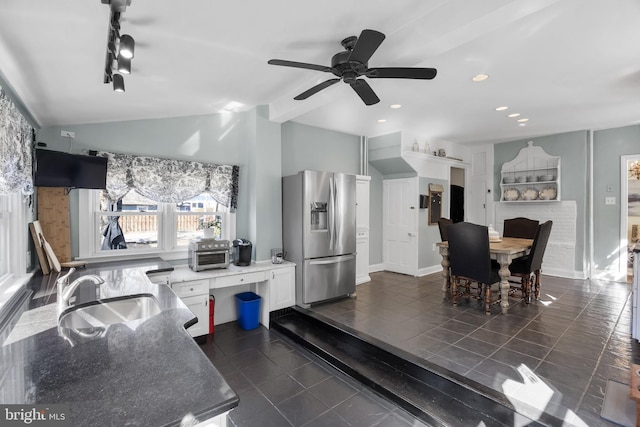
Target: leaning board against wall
53,214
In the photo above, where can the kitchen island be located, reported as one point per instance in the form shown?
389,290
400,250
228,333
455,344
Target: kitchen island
143,372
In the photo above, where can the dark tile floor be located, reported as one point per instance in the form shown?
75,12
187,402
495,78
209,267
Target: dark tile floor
556,353
282,384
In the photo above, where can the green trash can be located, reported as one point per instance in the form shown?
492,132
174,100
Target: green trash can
248,310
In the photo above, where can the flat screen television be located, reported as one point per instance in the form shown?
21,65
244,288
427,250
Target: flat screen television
58,169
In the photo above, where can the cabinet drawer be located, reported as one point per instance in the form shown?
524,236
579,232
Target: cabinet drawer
241,279
194,287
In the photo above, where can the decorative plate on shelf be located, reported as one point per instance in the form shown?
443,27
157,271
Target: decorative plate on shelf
511,194
548,193
529,194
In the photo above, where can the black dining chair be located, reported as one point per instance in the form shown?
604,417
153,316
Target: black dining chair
520,227
470,260
531,264
443,223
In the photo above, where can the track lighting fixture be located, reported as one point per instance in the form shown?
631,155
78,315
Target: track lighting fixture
124,65
118,83
127,45
120,48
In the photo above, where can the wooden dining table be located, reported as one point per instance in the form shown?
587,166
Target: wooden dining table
504,252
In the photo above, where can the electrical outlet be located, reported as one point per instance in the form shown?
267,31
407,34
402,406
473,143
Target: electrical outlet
67,134
434,247
609,200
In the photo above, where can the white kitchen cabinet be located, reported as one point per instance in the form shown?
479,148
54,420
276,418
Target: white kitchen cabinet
362,202
362,228
282,288
362,258
195,295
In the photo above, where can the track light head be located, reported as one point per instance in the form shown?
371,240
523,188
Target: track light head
118,83
124,65
127,46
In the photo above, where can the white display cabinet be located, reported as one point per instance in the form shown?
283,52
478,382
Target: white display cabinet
532,177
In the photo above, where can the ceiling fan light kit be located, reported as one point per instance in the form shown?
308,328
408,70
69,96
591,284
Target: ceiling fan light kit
120,48
353,63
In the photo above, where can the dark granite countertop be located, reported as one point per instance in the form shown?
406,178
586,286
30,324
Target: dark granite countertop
144,372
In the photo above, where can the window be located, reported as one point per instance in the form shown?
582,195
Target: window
14,219
138,225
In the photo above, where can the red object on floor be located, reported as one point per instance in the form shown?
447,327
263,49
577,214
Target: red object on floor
212,307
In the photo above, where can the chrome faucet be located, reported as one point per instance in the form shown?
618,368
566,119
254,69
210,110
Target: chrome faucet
66,290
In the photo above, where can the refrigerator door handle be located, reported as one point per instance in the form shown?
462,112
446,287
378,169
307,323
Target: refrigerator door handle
330,214
331,261
335,207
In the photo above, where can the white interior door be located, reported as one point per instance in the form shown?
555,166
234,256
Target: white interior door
399,225
477,202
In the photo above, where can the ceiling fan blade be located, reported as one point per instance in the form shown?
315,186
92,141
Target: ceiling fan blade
299,65
365,92
366,45
317,88
401,73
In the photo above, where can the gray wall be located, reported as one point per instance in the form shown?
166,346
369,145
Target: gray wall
608,146
572,147
229,138
311,148
375,216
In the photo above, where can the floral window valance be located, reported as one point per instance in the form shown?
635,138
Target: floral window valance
16,144
170,181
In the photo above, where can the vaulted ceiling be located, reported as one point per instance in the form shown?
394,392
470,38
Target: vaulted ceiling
565,65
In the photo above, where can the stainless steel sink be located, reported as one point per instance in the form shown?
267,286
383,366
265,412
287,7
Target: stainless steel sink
111,312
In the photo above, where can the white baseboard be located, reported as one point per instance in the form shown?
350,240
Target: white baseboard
429,270
363,279
376,267
567,274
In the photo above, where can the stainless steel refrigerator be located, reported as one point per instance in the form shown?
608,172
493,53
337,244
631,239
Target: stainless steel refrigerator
319,233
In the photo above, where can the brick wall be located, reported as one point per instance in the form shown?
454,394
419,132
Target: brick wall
559,258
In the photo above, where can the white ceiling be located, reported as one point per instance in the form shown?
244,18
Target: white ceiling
566,65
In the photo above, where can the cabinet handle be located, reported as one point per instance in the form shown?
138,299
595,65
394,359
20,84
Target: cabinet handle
273,275
191,289
242,279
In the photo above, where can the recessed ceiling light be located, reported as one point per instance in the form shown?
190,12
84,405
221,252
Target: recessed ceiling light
513,115
504,107
382,120
522,124
480,77
523,120
395,106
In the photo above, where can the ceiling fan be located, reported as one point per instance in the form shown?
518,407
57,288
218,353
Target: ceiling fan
353,63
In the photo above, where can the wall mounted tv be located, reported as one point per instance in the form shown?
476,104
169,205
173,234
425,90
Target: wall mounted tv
58,169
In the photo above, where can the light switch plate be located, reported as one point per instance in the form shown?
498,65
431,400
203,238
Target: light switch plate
609,200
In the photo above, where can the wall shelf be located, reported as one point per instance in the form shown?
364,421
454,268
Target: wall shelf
533,176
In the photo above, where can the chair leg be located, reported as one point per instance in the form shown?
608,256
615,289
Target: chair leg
537,285
467,288
487,300
526,288
454,290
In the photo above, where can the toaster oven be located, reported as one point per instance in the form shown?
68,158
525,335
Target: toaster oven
205,254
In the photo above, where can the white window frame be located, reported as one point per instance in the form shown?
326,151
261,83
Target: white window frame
14,240
89,241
